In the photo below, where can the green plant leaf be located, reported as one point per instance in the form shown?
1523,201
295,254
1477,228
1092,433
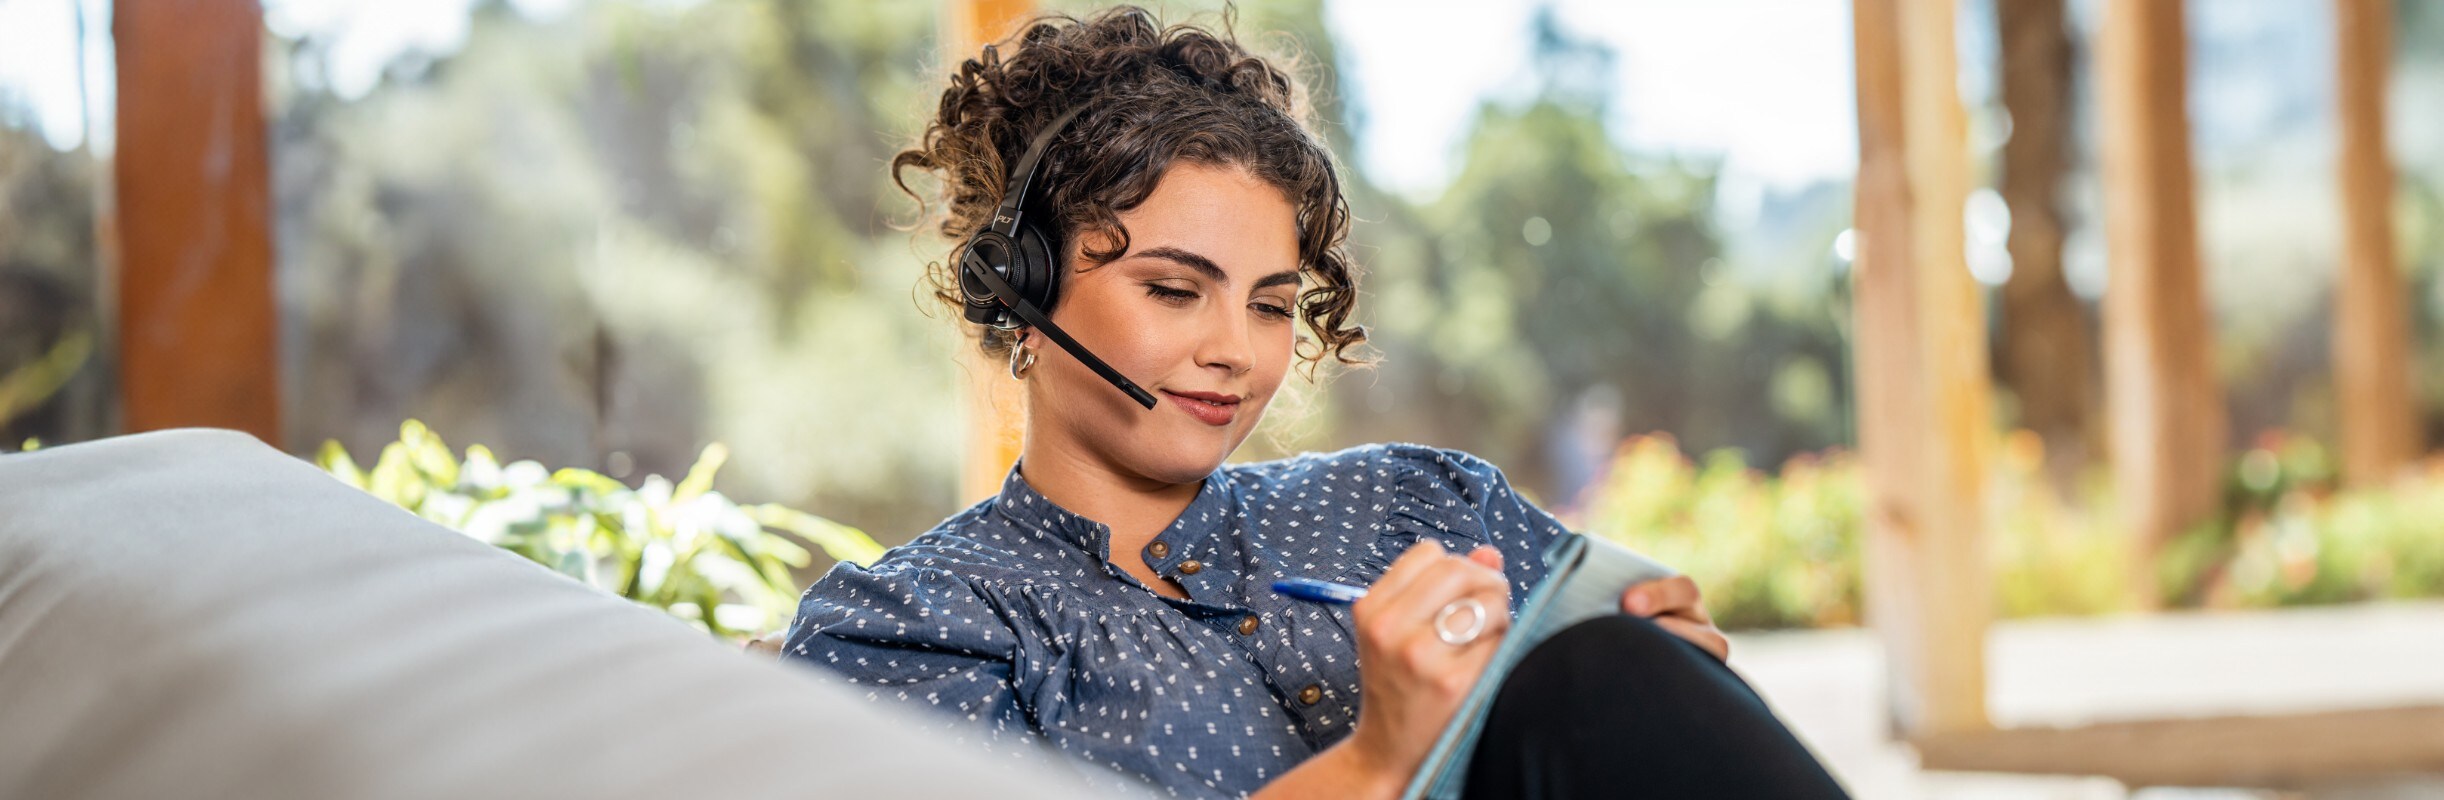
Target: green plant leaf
395,479
427,452
683,548
700,477
844,543
333,458
588,480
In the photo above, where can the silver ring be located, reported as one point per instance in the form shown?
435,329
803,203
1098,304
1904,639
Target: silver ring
1476,622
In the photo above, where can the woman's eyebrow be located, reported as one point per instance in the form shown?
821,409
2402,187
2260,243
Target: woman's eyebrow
1213,271
1288,277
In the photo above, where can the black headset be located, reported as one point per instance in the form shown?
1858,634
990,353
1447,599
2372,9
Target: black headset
1012,268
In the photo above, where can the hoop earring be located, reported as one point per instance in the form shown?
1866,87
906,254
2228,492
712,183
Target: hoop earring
1021,360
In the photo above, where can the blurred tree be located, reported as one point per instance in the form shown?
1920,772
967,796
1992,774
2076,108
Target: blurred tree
2046,354
606,238
1565,290
52,376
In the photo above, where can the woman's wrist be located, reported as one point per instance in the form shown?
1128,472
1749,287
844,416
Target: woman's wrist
1345,771
1375,771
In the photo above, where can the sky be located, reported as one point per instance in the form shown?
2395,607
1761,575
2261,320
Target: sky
1763,84
38,57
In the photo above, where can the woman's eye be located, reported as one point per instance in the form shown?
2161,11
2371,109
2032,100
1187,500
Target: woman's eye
1271,310
1161,292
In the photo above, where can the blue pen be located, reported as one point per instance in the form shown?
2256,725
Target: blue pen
1315,591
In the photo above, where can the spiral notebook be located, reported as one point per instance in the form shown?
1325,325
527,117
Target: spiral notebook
1585,579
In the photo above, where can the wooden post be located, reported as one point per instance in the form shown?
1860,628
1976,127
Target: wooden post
2372,358
1924,411
2047,354
2166,410
995,406
198,325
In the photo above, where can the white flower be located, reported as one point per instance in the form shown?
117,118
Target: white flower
524,473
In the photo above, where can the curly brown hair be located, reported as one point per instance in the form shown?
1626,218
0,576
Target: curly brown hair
1153,96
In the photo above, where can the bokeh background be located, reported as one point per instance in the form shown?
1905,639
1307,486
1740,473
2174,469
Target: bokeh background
606,233
1608,246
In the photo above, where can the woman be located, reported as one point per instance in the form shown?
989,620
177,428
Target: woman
1114,599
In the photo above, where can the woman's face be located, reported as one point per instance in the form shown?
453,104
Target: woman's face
1200,306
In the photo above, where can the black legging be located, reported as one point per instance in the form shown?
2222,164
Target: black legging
1619,707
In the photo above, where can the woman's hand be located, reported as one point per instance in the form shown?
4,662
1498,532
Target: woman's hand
1409,679
1674,604
1412,681
767,645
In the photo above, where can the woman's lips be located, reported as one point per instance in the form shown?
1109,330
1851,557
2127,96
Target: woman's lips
1210,413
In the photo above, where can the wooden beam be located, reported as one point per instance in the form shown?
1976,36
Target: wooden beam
2372,351
1924,414
197,319
2281,751
2167,413
996,409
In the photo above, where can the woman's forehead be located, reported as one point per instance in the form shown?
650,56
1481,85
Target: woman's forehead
1223,215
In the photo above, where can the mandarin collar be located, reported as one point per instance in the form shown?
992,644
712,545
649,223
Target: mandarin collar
1209,511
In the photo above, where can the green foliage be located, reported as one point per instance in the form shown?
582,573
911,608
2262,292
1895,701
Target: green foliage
2290,536
1781,551
682,547
1770,551
25,388
632,227
2050,555
1563,277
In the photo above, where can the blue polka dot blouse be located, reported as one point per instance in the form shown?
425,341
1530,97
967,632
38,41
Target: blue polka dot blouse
1011,619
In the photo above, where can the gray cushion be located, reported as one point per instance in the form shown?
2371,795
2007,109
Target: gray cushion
194,614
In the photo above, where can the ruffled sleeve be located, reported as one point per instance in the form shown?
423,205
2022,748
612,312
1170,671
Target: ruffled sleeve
1462,501
920,635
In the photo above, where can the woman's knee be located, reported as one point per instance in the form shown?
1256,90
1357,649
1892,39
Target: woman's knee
1609,644
1617,661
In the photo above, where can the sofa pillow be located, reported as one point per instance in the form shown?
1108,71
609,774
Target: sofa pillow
195,614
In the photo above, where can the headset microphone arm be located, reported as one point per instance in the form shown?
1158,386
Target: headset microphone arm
1027,311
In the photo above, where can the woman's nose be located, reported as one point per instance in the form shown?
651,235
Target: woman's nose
1226,345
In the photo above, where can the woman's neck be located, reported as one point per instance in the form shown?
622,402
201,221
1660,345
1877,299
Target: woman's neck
1136,508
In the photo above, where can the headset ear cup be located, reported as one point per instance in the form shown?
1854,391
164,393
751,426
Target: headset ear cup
1036,271
987,250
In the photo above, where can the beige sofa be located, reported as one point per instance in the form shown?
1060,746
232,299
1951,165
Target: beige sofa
194,614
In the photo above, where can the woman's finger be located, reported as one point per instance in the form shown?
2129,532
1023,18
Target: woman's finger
1452,667
1660,596
1450,582
1487,556
1403,570
1697,612
1706,637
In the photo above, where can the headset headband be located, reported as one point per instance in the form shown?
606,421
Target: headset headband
1014,202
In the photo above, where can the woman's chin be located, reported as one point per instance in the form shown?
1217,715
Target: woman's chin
1185,464
1177,449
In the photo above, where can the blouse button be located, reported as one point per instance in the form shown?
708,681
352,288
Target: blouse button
1247,627
1159,549
1191,567
1311,695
